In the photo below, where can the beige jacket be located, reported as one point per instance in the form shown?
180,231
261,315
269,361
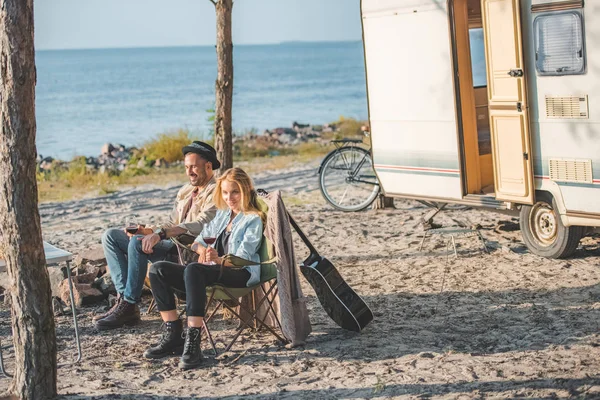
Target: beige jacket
203,208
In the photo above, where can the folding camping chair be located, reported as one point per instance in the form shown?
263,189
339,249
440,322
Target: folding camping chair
264,294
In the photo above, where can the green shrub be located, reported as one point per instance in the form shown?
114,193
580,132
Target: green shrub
348,128
168,146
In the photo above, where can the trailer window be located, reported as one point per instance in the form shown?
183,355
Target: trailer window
477,57
559,45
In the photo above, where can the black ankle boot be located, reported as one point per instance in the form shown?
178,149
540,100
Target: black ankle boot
170,343
192,355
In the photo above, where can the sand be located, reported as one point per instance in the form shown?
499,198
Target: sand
507,324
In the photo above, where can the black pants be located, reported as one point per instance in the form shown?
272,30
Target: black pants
166,278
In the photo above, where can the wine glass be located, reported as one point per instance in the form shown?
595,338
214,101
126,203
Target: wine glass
209,240
131,225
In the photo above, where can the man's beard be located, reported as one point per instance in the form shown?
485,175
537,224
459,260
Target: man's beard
199,180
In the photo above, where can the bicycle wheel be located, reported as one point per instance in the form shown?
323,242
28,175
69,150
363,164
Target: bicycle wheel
347,179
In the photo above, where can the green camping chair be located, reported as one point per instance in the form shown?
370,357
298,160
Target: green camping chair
264,293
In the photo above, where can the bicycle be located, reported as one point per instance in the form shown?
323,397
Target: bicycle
346,176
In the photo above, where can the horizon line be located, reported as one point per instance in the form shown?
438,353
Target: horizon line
127,47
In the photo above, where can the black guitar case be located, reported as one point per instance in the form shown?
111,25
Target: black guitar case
338,299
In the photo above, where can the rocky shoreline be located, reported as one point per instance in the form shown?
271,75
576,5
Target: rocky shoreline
115,158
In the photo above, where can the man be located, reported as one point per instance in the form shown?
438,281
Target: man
127,255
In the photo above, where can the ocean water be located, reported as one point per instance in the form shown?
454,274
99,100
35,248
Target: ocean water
85,98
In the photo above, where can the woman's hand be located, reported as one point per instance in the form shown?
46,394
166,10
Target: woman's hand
201,251
212,255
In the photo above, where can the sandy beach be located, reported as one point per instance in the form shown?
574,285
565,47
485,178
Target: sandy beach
507,324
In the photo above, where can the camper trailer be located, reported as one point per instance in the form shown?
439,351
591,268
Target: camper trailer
490,103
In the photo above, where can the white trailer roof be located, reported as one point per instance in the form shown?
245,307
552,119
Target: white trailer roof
382,6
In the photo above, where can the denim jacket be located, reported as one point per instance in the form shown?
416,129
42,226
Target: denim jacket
245,240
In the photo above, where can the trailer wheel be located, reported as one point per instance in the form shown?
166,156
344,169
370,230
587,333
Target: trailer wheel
543,231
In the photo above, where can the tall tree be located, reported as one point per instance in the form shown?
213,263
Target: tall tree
34,336
224,84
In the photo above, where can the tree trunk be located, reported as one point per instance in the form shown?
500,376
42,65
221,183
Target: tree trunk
382,202
224,85
20,231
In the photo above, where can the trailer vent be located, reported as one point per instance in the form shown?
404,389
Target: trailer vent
566,170
567,107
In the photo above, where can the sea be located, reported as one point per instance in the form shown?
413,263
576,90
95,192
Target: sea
85,98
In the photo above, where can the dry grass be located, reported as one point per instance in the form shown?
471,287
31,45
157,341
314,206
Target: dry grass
98,184
89,185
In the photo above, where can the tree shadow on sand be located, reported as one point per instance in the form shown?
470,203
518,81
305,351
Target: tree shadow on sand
576,388
467,322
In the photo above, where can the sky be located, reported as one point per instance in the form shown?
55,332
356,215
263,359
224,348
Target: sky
84,24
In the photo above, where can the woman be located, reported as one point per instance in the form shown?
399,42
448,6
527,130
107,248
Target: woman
238,229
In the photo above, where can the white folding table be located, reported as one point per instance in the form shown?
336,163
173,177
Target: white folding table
54,255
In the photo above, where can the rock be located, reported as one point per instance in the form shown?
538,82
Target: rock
105,159
88,278
283,131
94,256
285,138
161,163
83,293
92,161
46,164
298,126
57,307
105,284
57,275
111,301
107,148
119,155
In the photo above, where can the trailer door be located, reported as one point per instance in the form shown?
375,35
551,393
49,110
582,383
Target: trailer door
507,101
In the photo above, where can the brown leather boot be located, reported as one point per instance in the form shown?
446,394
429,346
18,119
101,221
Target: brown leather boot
125,314
106,314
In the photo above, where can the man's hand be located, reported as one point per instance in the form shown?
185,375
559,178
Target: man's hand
148,242
145,231
140,231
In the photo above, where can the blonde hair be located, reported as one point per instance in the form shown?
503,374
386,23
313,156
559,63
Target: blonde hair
249,203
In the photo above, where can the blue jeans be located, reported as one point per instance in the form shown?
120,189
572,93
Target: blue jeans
128,264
